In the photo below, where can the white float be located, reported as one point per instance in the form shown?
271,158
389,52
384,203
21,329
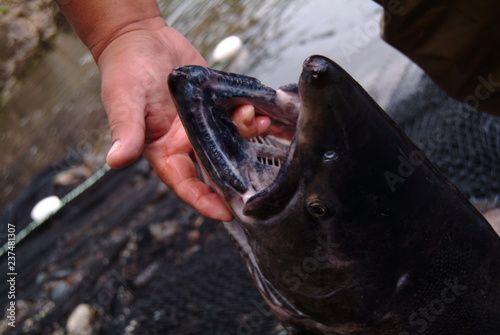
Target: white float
227,49
45,208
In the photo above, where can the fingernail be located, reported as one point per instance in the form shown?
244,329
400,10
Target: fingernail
248,115
116,145
245,122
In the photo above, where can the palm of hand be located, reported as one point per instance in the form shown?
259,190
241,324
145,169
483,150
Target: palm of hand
142,117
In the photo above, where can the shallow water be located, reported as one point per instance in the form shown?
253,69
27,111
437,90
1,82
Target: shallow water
56,108
54,111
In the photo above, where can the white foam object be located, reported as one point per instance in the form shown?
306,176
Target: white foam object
46,207
227,49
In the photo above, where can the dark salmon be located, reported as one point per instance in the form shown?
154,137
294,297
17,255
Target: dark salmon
348,228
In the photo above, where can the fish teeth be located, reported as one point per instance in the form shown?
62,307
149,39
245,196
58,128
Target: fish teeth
271,161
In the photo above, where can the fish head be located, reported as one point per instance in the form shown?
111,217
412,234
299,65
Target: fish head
315,216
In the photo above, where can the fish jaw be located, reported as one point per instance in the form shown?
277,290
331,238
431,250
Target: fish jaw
237,168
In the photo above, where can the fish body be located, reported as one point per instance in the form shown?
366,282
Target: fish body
348,228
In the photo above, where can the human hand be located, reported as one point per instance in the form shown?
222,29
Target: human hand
135,68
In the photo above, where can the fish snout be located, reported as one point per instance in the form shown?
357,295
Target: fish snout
318,71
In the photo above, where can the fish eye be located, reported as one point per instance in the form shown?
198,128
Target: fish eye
330,156
318,209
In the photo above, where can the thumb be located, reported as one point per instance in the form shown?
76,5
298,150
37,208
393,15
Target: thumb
124,105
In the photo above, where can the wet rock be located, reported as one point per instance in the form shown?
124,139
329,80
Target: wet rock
194,236
143,278
165,232
80,321
25,26
58,289
73,176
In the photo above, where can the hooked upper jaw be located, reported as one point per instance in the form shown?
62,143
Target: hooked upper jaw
259,173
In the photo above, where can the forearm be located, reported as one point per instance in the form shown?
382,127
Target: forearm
98,22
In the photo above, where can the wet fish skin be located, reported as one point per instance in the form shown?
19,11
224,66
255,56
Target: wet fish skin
357,233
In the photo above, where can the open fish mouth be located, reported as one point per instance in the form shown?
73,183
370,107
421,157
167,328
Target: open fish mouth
241,169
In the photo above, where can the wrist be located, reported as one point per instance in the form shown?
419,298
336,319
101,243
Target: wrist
99,22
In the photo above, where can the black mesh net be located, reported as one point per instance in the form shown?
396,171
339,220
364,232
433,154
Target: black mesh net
463,142
144,261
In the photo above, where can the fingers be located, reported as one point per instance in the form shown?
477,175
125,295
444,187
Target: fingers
181,173
126,120
244,118
248,124
170,157
263,124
